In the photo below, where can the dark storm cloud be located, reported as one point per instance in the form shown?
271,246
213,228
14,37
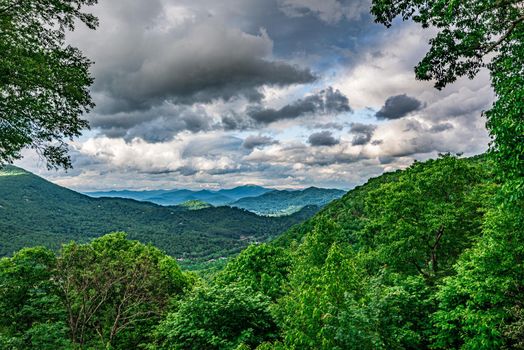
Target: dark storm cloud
254,141
209,62
148,52
398,106
323,138
362,133
160,123
328,101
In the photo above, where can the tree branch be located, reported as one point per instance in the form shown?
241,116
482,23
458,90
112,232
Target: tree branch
510,30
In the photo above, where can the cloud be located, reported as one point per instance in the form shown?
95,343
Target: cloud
362,133
330,11
207,61
197,94
398,106
441,127
158,124
146,54
322,138
328,125
328,101
255,141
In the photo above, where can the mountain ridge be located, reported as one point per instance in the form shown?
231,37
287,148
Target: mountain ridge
34,211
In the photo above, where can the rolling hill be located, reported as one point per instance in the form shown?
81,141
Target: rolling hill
34,211
277,203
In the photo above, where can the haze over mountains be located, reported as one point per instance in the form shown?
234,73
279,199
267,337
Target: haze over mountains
257,199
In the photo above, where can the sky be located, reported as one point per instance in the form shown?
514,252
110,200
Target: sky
279,93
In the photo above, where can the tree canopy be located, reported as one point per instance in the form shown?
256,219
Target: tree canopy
44,82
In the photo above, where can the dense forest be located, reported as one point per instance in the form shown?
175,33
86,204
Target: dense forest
430,257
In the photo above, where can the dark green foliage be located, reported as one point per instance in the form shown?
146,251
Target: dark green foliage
32,314
44,83
264,268
218,317
36,212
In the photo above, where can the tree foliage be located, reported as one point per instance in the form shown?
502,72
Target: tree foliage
218,317
112,285
360,288
106,294
44,83
424,220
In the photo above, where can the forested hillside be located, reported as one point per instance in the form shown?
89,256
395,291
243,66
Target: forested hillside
276,203
36,212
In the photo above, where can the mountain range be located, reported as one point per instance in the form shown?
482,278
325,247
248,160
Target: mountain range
34,211
257,199
179,196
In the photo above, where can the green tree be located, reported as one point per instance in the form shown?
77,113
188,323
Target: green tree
32,312
262,267
424,220
480,307
44,83
312,315
115,290
486,292
218,317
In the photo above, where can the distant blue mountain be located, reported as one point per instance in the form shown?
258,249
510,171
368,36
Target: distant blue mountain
257,199
244,192
179,196
136,195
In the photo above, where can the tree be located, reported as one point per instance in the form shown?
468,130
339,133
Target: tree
113,285
480,307
32,313
473,34
262,267
218,317
44,83
423,221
